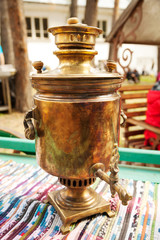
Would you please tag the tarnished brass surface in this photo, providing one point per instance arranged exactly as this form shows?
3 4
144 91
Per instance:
122 192
75 71
73 136
72 198
70 215
76 123
28 124
75 35
38 65
113 179
111 65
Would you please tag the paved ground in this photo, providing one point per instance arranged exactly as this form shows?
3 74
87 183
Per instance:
13 121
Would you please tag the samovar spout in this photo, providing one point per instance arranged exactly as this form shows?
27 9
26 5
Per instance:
124 196
113 180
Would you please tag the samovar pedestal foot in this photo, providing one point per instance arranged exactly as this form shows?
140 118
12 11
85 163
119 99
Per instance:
70 212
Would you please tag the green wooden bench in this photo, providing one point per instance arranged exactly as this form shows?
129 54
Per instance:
126 155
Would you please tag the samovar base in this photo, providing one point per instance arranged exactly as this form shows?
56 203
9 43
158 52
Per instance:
75 204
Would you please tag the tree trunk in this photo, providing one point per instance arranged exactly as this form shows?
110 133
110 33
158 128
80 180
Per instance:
73 8
115 12
114 18
158 70
91 13
6 38
18 30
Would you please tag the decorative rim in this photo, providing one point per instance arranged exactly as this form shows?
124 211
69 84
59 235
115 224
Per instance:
80 203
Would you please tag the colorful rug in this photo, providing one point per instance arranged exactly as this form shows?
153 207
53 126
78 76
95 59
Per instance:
23 215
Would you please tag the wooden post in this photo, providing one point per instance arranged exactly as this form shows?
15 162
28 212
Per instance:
114 18
73 8
6 38
8 95
115 12
91 13
18 31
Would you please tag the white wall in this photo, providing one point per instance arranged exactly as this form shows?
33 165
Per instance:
42 49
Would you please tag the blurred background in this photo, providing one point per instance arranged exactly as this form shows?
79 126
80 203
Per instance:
130 37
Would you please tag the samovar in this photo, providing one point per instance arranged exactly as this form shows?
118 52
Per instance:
76 117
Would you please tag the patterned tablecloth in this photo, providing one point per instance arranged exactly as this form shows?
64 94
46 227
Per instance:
23 215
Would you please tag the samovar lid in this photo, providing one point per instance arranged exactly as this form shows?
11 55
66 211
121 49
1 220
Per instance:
76 43
75 34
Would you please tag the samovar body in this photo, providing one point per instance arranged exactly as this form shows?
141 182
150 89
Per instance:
76 116
73 135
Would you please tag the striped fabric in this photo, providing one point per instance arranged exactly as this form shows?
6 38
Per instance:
23 215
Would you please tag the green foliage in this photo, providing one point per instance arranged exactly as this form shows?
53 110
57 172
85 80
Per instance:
147 79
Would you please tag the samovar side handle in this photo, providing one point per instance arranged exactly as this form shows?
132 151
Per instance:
28 124
124 117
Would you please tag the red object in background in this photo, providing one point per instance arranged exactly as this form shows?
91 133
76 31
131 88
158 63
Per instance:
158 77
152 114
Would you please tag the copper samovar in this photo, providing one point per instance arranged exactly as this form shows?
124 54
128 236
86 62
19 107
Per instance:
76 124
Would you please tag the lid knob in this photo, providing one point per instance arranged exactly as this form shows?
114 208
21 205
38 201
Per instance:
111 65
72 20
38 65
